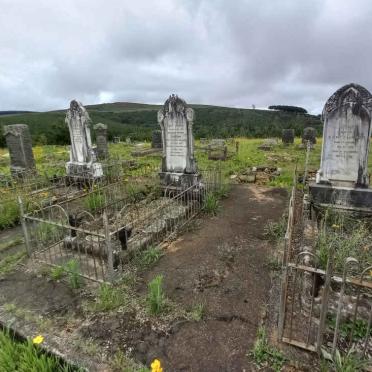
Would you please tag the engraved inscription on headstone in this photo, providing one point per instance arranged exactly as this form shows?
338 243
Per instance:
346 135
176 121
18 140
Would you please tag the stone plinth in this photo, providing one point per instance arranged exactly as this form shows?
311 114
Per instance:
343 197
101 140
18 141
156 142
288 136
178 162
309 134
82 162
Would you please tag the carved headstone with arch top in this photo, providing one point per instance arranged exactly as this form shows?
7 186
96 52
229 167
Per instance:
178 162
82 162
343 175
346 136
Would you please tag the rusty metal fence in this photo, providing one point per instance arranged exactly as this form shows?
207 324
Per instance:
321 308
102 230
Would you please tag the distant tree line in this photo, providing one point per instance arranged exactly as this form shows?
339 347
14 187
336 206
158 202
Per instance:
210 122
296 109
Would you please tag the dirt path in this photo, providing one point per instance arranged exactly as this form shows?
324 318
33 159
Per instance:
223 266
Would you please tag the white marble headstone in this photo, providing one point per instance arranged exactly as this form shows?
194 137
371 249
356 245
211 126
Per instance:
81 151
346 137
176 121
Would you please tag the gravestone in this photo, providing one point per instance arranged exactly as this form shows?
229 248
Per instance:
309 134
101 140
128 141
178 162
82 162
343 175
217 149
156 140
288 136
116 139
18 141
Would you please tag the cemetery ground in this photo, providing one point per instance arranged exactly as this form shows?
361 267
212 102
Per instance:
209 286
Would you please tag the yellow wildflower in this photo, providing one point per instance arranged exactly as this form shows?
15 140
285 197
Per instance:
336 226
38 339
156 366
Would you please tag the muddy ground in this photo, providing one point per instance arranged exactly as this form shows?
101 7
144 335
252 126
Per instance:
222 263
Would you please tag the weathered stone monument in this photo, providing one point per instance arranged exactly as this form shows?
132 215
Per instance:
288 136
309 134
101 140
178 162
343 175
18 141
156 142
82 162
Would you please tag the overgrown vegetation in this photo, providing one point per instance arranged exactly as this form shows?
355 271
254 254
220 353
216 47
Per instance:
72 269
348 237
340 362
266 355
148 257
211 204
156 297
26 357
94 201
121 363
275 231
109 298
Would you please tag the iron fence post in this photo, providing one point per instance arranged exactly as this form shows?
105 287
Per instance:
110 261
24 227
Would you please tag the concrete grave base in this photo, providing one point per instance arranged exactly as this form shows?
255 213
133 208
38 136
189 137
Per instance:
84 170
181 180
342 197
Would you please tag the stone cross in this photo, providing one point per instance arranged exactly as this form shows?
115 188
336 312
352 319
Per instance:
82 159
101 140
18 141
176 122
346 135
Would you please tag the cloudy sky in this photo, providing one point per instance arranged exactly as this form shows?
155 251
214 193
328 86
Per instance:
222 52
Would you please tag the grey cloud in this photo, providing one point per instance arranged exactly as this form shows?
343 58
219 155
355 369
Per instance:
234 53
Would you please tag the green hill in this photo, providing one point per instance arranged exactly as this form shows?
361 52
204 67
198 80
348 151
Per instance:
138 120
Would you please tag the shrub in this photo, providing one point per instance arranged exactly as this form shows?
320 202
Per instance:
149 256
156 298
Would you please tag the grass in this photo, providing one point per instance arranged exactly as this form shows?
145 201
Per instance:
9 262
9 214
109 298
121 363
349 239
274 231
72 269
26 357
211 204
94 201
266 355
4 246
148 257
340 362
155 296
197 313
